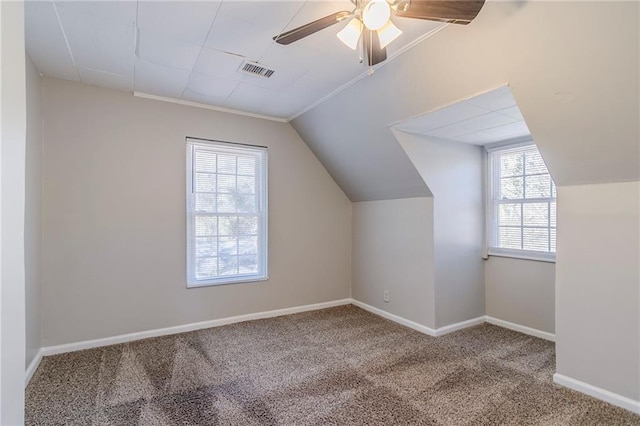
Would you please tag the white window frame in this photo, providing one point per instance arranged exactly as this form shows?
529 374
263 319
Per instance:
491 203
261 176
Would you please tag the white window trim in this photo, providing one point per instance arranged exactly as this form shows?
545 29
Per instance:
264 206
490 224
522 254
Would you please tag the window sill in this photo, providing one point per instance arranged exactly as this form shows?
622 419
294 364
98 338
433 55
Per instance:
191 285
524 255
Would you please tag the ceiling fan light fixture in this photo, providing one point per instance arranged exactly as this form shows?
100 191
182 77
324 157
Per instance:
350 34
370 23
376 14
388 33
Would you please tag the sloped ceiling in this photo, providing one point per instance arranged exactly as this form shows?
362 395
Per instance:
571 66
488 118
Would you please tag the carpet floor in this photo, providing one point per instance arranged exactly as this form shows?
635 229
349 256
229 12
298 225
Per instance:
340 366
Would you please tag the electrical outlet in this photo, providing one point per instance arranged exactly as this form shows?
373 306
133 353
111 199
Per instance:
385 296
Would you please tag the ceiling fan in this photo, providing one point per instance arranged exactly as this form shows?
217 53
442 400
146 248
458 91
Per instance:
371 19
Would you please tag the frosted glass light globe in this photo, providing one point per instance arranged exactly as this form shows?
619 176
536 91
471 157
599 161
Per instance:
376 14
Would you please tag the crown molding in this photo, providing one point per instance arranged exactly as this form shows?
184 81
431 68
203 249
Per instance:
340 89
210 107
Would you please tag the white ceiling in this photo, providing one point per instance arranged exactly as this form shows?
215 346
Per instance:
577 88
491 117
192 50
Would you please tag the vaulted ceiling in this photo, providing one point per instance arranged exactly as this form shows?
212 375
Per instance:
192 50
572 67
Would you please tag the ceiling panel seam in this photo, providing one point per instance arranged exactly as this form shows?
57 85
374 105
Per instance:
438 108
66 40
201 49
136 47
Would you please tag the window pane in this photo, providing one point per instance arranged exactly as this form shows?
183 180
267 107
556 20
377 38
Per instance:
205 161
553 240
205 182
536 239
227 246
538 186
206 268
509 214
246 185
246 166
228 225
226 184
246 203
248 225
522 176
511 164
225 206
226 203
206 203
536 214
509 238
248 264
206 226
228 265
206 247
511 188
247 245
534 163
227 164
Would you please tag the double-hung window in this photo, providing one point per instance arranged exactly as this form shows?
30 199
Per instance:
226 213
522 219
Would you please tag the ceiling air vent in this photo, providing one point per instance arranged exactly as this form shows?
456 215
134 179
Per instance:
256 69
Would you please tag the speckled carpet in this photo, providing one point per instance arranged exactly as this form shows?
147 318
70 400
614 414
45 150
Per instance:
336 366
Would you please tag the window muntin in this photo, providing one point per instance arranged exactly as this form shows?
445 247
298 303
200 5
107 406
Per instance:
226 213
523 203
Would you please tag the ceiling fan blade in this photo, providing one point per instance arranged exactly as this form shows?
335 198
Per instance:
453 11
371 41
310 28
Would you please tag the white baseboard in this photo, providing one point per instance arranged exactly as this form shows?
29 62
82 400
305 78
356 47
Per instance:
414 325
395 318
599 393
33 366
521 328
113 340
123 338
459 326
560 379
440 331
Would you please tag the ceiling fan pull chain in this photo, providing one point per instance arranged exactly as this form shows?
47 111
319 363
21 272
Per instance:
361 48
371 70
361 38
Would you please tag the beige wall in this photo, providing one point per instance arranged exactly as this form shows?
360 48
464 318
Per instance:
521 291
393 250
598 286
33 216
114 217
12 213
453 173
